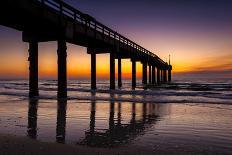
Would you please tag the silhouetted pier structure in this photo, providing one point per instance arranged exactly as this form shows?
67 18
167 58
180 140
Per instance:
54 20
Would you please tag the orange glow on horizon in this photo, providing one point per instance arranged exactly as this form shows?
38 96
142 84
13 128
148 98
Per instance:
187 55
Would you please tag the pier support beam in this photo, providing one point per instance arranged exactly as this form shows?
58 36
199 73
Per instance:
112 71
33 69
62 69
170 73
133 74
144 73
161 76
158 76
93 71
149 74
119 72
153 75
165 75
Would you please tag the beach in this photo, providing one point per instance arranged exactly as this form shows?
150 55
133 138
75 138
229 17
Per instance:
177 118
11 145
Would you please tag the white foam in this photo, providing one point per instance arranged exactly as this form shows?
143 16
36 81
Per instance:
162 94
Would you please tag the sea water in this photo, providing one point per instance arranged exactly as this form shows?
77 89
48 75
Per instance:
191 116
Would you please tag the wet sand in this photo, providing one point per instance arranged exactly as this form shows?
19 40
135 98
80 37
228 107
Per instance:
40 128
12 145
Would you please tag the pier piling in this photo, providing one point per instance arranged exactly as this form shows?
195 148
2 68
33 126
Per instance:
149 74
112 71
144 73
93 71
165 75
119 72
158 76
62 69
153 75
33 69
133 74
170 73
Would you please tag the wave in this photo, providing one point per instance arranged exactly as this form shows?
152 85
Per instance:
179 92
135 99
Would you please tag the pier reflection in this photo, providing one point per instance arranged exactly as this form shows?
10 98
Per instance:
119 133
61 120
116 130
32 118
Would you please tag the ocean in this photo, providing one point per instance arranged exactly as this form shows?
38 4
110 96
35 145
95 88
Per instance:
192 116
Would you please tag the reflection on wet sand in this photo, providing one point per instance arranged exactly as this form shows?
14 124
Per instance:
32 118
61 120
117 132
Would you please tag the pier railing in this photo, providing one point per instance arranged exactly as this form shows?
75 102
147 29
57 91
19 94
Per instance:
66 10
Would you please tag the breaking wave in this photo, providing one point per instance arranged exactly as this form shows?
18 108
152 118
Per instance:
177 92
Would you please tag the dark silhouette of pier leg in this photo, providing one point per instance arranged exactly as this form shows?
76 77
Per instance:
92 116
161 76
144 73
32 118
111 117
62 69
144 112
33 69
93 71
111 124
165 75
169 75
153 75
133 74
119 72
61 121
149 74
133 112
112 71
119 113
158 76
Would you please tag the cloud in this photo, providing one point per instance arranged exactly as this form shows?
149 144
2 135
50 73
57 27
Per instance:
217 63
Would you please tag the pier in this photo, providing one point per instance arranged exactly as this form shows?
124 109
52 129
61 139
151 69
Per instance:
54 20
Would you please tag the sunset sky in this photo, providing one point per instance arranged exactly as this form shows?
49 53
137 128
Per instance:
197 34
